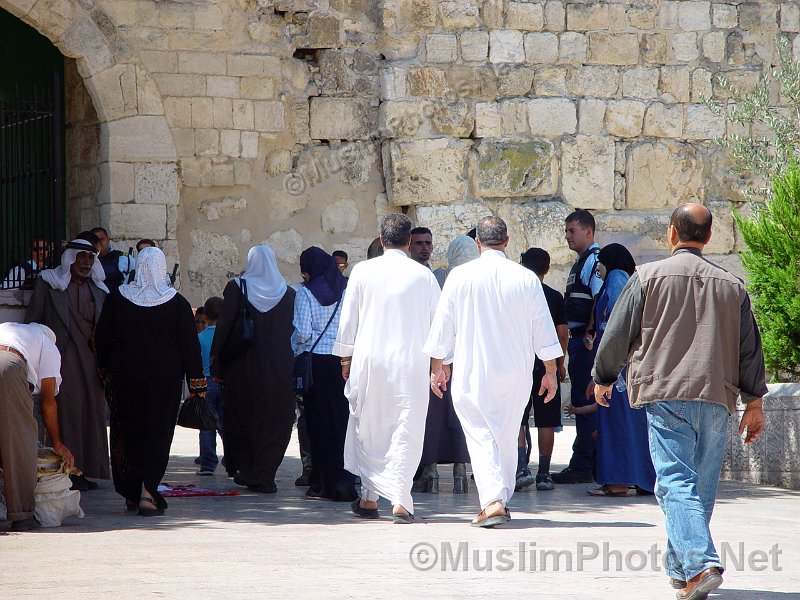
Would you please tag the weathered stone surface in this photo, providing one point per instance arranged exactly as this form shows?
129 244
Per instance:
644 234
613 48
552 117
514 117
515 80
525 16
723 238
340 217
441 48
138 139
624 118
643 15
684 46
402 118
572 47
446 222
539 224
452 118
591 116
790 17
702 124
725 16
714 46
541 48
426 81
342 119
506 46
469 82
156 184
694 16
665 121
555 15
426 171
219 208
509 168
661 175
550 81
600 82
640 82
474 46
653 48
487 120
459 14
587 166
702 88
287 244
212 258
270 115
673 84
135 221
587 17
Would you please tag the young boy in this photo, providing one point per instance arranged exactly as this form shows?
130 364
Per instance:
208 438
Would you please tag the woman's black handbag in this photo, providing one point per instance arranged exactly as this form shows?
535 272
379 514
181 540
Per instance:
243 332
302 379
197 413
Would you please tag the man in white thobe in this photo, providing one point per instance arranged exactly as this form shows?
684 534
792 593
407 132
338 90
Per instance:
491 319
385 319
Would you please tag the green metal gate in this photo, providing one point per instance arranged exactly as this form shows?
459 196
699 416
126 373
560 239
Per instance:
32 163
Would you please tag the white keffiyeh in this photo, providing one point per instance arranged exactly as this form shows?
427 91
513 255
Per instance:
60 277
151 286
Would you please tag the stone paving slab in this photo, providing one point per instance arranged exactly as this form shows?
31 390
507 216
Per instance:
285 545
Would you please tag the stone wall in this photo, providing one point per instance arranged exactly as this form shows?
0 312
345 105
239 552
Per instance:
225 123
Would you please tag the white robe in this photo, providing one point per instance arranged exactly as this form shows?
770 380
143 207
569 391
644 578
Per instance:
385 319
491 319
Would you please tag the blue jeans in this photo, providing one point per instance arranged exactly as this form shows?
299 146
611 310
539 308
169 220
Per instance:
580 372
208 437
687 443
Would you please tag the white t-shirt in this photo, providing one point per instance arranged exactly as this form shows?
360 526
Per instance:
37 344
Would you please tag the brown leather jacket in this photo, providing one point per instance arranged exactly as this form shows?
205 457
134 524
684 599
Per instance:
687 328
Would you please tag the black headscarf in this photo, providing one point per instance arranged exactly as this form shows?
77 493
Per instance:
326 280
616 256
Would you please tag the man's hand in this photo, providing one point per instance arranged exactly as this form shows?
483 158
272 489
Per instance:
602 394
64 453
589 390
346 372
752 421
439 382
549 385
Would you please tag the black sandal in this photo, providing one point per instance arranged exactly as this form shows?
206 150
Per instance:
149 512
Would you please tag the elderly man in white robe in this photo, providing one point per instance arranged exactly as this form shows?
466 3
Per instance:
491 320
385 320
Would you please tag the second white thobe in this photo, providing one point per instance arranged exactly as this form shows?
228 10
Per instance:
385 320
491 320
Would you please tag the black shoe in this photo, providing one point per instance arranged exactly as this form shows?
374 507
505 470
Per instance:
80 483
239 480
544 482
363 513
570 475
402 518
197 460
263 488
302 481
29 524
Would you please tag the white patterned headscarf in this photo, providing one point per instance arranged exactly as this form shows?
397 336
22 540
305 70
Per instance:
151 286
461 250
265 284
60 277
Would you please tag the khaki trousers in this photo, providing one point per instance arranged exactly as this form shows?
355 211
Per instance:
18 437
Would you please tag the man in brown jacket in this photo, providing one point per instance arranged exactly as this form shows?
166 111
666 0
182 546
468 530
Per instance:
687 328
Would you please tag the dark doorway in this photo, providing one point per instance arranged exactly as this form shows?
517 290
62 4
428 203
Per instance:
32 159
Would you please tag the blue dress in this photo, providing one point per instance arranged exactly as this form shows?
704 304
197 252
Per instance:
623 454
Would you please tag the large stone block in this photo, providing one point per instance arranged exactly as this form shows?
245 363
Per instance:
593 81
551 117
506 46
644 233
447 222
572 48
591 115
342 119
117 88
156 184
725 16
402 118
474 46
702 124
525 16
674 85
550 81
653 47
431 171
587 166
427 81
137 139
213 259
470 82
287 244
441 48
541 48
555 15
662 175
340 217
514 80
537 224
514 117
487 120
613 48
269 115
512 169
664 121
624 118
640 82
459 14
694 16
587 17
684 47
723 235
135 221
714 46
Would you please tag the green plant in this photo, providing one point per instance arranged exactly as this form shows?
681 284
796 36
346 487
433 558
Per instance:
772 262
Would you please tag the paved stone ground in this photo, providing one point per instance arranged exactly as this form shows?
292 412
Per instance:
287 546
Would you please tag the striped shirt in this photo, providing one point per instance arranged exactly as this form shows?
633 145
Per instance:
310 318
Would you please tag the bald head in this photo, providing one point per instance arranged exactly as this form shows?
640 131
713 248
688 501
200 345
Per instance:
692 222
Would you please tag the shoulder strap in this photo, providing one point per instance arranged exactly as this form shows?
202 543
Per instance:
333 314
243 289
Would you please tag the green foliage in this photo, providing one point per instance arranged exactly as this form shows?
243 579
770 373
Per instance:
772 261
766 157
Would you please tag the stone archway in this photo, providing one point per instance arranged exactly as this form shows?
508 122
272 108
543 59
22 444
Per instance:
139 186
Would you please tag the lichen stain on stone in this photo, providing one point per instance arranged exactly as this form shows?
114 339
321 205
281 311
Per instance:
522 166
